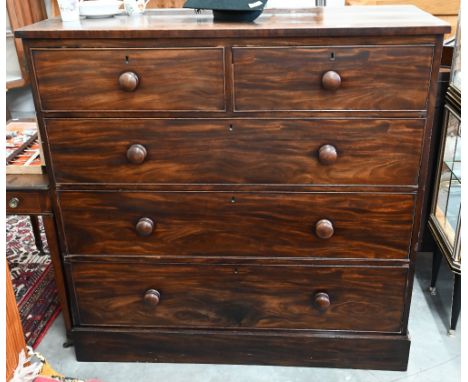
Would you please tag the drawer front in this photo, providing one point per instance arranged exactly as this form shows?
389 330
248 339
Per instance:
335 225
99 80
27 202
283 297
332 78
363 151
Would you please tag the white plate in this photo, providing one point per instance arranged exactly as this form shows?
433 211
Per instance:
100 8
102 16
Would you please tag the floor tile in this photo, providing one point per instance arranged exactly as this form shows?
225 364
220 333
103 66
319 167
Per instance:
446 372
428 324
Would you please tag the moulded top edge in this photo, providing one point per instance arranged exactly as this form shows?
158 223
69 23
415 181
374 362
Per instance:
312 22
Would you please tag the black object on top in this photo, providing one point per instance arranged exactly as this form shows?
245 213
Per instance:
230 10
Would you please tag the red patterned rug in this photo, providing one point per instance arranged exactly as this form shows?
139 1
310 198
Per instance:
33 279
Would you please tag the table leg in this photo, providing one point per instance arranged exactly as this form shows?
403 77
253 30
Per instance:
51 233
37 233
456 303
436 260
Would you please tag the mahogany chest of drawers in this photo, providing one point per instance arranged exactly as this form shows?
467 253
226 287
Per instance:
239 193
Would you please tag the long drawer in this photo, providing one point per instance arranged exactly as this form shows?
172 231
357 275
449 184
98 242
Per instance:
221 296
130 79
331 225
332 78
355 151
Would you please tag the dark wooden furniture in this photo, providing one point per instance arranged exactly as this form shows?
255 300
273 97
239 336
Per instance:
240 193
26 124
30 195
447 236
445 214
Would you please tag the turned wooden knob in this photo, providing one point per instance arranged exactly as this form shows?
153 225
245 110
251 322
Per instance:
136 154
327 154
152 297
331 80
322 301
324 229
129 81
145 227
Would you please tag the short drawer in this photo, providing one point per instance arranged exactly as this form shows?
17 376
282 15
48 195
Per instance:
333 225
27 202
130 79
332 78
221 296
181 151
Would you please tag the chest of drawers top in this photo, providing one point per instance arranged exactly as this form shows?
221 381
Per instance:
312 22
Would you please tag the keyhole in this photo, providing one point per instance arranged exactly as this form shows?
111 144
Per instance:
236 271
233 200
126 60
231 127
332 56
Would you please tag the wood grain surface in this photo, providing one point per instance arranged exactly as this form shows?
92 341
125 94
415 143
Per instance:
265 297
435 7
181 151
50 228
446 10
329 349
28 203
165 4
169 79
371 78
27 182
205 154
15 342
315 22
238 224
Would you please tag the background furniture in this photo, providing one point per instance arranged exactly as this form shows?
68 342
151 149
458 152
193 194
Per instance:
446 10
445 217
19 14
166 3
29 195
442 85
151 4
18 126
14 331
247 217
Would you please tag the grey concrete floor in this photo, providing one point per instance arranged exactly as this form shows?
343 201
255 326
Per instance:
434 356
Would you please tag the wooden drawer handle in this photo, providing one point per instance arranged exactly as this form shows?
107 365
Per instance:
324 229
327 154
129 81
136 154
331 80
145 227
152 297
322 301
14 202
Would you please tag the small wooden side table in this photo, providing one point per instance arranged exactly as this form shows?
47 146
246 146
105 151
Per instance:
29 195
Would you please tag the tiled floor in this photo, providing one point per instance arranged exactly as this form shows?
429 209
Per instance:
434 357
